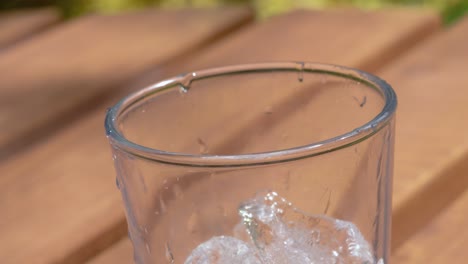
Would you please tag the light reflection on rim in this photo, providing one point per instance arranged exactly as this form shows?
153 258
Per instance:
202 160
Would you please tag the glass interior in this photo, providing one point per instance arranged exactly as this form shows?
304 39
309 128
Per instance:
244 113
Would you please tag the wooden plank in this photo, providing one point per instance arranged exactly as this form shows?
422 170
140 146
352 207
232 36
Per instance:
442 241
251 41
431 161
18 25
307 40
146 31
52 78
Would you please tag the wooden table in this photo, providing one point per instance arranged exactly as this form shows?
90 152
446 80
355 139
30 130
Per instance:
58 198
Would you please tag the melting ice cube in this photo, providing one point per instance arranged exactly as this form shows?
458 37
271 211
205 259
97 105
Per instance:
284 234
272 231
223 250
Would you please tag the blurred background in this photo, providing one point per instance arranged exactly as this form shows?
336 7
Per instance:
450 10
59 203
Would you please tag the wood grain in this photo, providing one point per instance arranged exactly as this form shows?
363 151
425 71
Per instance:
19 25
101 52
252 42
442 241
319 37
431 161
60 74
121 252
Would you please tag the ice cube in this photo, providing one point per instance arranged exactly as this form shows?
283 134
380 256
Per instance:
284 234
223 250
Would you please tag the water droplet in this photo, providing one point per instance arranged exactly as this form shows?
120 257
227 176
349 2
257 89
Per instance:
363 102
327 205
114 157
148 249
186 82
300 75
286 180
203 148
162 204
178 193
117 183
192 223
183 89
169 255
143 183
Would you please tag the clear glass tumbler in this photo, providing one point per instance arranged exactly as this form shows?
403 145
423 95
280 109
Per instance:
286 162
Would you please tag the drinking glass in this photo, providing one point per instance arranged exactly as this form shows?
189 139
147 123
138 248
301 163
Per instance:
283 162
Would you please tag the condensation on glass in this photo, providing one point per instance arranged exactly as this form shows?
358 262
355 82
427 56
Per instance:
257 163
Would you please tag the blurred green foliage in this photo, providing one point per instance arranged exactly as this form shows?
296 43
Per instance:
451 10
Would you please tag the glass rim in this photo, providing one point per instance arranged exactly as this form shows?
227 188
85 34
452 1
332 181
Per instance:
347 139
